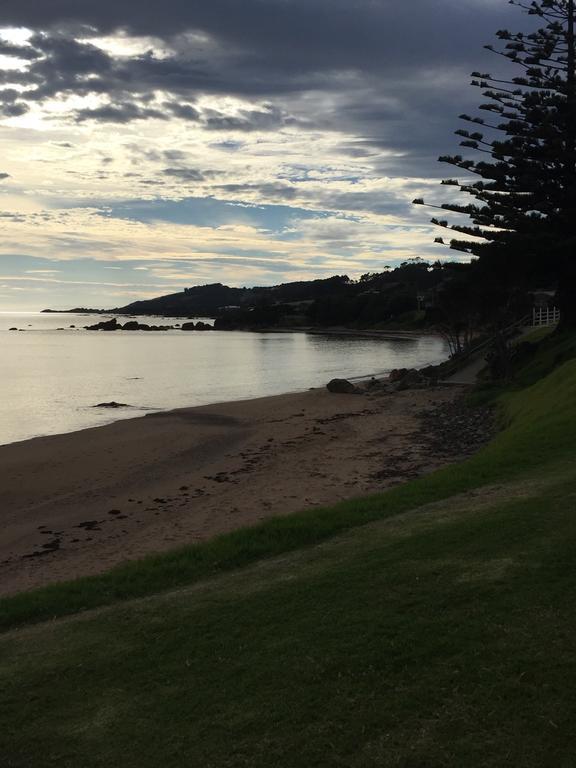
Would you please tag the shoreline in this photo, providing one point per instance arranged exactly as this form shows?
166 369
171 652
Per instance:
79 503
74 412
154 411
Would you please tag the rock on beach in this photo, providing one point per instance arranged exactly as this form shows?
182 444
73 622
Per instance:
342 387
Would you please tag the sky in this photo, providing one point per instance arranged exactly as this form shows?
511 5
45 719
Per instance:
149 146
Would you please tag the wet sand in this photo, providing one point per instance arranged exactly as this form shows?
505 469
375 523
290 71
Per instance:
80 503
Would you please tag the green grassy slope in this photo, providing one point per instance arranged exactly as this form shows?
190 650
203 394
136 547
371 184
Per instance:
435 636
541 428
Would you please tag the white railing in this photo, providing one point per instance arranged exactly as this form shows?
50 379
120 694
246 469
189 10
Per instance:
545 316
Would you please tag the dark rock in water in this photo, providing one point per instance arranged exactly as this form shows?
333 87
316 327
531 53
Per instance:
199 326
111 404
71 326
104 325
342 387
13 329
131 325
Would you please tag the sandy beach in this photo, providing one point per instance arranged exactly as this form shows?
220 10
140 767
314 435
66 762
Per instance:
80 503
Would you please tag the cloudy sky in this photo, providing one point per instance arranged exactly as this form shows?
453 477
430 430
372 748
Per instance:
148 146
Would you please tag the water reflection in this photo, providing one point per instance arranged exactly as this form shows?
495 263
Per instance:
50 379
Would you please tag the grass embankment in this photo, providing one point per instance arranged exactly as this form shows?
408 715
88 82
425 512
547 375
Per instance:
540 423
438 635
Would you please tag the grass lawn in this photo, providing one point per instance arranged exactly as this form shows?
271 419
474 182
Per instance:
429 627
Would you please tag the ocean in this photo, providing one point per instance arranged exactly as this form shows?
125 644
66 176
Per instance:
52 379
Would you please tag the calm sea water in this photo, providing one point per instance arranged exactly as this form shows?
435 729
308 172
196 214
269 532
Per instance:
50 378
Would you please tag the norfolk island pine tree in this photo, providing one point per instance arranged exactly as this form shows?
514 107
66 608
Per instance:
524 202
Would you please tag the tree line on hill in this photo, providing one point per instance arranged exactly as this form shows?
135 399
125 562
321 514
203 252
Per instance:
455 298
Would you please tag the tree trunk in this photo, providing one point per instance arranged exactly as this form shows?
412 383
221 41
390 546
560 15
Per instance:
566 295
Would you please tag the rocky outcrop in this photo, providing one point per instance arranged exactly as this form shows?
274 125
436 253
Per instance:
104 325
131 325
401 379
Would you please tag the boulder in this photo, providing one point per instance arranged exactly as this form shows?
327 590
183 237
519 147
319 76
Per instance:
200 326
397 374
431 373
342 387
188 327
132 325
13 329
412 379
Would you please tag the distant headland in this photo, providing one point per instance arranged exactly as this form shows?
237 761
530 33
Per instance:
404 295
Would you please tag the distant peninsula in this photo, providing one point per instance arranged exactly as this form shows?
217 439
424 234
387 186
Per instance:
398 295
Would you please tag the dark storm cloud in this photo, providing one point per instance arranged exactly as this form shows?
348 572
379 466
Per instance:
17 51
183 111
64 66
395 73
270 46
269 118
15 109
321 33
